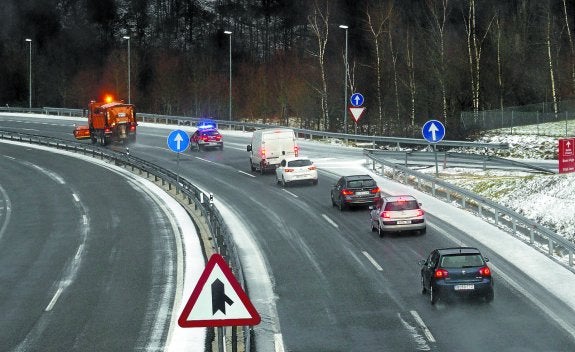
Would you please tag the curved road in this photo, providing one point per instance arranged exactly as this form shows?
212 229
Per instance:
87 258
338 287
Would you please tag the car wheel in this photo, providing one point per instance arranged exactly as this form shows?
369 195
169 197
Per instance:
489 297
373 228
199 146
423 231
314 182
423 289
432 296
380 230
262 169
332 201
283 182
252 166
341 204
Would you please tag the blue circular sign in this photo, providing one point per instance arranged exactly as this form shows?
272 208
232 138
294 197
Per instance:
356 99
433 131
178 141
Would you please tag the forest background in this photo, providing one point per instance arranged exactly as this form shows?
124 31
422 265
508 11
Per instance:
413 60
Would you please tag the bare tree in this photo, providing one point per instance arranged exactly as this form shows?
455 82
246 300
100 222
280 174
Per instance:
377 17
393 55
319 23
550 58
410 62
474 49
439 15
571 46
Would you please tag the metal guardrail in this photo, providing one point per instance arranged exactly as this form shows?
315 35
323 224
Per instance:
189 195
538 236
238 125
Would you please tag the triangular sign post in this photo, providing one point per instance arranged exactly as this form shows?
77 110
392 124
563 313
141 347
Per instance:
356 112
218 299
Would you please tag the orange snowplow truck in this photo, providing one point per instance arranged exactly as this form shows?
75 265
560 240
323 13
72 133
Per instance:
111 122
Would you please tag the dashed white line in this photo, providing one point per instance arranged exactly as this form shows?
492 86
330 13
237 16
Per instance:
370 258
75 197
288 192
278 343
245 173
331 222
419 321
54 299
206 160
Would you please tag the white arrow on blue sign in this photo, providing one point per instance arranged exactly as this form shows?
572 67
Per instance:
178 141
433 131
356 99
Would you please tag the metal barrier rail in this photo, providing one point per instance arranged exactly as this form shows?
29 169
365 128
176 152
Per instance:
222 240
526 229
237 125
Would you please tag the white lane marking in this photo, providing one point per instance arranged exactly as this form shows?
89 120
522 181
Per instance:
419 340
288 192
49 173
75 197
84 220
423 326
370 258
278 343
332 223
206 160
245 173
54 299
8 211
10 157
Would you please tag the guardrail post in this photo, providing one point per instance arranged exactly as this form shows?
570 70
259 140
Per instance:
570 257
433 189
463 203
448 196
532 235
480 208
514 226
496 217
550 246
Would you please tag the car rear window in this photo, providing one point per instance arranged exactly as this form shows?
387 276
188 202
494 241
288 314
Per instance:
461 261
299 163
360 183
402 205
211 133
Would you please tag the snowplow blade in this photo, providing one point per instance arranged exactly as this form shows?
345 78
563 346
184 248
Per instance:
82 132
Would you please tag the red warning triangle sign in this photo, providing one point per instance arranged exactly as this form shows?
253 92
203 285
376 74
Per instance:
356 112
218 299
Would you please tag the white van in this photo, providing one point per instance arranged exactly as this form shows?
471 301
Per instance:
270 146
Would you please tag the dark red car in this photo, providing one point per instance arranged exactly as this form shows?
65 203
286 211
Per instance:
203 138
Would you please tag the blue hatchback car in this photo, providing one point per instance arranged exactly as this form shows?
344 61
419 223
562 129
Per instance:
456 271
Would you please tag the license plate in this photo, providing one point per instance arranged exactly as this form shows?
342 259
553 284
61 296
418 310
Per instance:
403 222
362 193
464 287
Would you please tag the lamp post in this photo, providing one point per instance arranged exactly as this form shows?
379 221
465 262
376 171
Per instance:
229 33
345 82
30 74
129 69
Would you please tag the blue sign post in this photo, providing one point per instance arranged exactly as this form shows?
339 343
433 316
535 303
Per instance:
356 99
178 141
433 131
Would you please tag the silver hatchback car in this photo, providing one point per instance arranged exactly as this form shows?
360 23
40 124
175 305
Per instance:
397 214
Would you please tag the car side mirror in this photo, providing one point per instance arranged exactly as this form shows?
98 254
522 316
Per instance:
249 148
419 204
422 262
486 259
371 207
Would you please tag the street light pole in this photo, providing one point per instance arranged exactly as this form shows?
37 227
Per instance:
129 71
229 33
345 82
30 73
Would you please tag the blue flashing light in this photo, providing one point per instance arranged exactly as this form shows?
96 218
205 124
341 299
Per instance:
206 124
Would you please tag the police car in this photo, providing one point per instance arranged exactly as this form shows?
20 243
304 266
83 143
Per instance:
206 135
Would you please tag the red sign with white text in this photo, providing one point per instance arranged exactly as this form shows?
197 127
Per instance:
566 155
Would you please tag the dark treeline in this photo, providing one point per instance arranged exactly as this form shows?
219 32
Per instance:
413 60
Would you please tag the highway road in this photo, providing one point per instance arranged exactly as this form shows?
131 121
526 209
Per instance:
337 286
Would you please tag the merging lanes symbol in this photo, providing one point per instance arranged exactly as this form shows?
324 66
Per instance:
218 299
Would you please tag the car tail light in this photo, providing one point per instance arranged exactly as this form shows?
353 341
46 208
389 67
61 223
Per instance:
312 168
346 192
375 190
420 212
485 271
440 274
385 215
108 130
288 170
205 138
296 150
218 137
262 152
